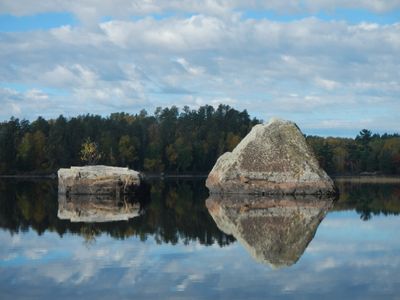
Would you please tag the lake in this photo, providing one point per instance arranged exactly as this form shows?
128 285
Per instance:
173 241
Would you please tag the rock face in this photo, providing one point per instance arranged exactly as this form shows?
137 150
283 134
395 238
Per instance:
97 180
95 208
274 231
273 158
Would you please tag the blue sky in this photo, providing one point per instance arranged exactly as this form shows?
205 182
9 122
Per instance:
41 21
332 66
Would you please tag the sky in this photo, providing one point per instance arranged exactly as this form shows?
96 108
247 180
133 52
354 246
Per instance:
332 66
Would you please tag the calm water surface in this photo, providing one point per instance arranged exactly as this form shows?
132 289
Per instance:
174 242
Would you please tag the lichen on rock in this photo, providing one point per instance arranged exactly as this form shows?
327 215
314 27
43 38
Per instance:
273 158
97 180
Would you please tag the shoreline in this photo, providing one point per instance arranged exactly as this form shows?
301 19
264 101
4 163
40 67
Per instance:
367 179
145 176
26 176
340 178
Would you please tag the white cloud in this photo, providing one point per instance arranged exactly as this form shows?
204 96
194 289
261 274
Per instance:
306 70
36 94
326 83
93 10
192 70
65 76
22 104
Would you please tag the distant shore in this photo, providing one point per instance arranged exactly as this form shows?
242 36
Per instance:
144 174
368 179
338 178
28 176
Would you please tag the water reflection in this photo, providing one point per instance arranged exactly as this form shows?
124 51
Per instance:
96 208
274 231
169 211
166 252
369 199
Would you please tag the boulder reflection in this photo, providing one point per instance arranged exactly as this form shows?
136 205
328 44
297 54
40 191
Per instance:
174 210
96 208
274 231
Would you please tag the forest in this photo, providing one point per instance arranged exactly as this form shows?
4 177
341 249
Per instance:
171 141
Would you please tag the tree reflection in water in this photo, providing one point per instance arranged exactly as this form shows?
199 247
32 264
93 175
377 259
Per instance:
170 211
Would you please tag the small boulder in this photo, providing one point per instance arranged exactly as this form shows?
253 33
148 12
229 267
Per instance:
273 158
97 180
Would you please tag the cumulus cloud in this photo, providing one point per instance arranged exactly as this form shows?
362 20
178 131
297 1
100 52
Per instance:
15 103
88 9
308 70
192 70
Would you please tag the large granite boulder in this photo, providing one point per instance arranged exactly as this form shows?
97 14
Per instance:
275 231
98 180
273 158
96 208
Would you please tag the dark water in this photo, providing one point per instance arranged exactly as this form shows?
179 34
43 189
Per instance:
171 242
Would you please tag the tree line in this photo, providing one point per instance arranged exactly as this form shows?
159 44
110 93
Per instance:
367 153
170 140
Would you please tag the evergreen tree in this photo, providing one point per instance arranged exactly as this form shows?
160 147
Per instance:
171 140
